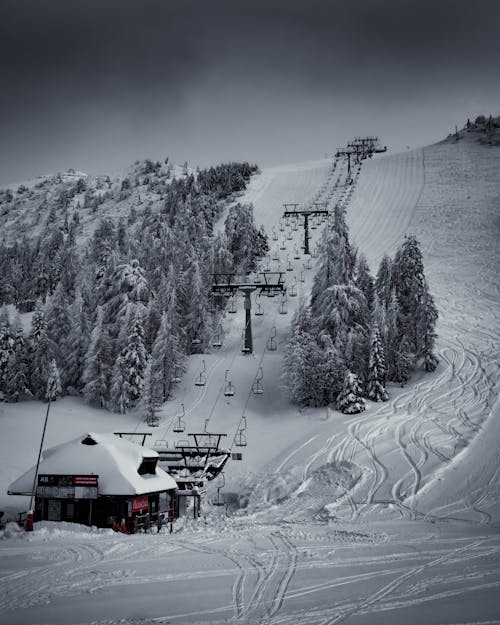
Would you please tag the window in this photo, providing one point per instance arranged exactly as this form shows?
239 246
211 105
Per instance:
148 466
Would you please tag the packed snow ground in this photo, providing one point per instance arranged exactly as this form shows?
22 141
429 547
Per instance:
386 517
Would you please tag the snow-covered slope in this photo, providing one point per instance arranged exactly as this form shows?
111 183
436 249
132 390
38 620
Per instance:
390 516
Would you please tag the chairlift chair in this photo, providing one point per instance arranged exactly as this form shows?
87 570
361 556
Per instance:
180 424
307 264
283 245
289 235
302 277
271 341
259 311
282 226
292 291
201 380
276 255
240 440
219 501
275 234
229 388
258 388
288 264
296 254
283 309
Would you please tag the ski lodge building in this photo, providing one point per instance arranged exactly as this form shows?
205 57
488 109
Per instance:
97 479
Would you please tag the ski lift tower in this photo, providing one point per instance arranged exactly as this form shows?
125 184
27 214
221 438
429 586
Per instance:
291 210
266 282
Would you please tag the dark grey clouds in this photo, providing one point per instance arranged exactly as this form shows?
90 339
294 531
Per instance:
96 84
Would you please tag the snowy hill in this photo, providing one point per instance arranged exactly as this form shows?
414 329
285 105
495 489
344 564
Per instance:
389 516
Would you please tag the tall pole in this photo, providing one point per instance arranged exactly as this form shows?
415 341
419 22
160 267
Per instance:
248 320
33 488
306 234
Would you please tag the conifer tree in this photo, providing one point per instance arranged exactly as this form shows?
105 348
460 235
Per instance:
376 368
150 402
301 361
363 280
426 321
402 361
53 382
350 400
166 356
383 281
58 332
18 383
39 351
97 368
7 352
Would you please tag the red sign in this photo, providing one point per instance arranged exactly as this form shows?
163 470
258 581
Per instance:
140 503
85 480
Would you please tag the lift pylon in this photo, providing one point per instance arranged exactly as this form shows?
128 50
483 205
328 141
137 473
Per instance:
306 214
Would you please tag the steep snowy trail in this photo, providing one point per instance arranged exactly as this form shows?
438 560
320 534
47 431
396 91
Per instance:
385 517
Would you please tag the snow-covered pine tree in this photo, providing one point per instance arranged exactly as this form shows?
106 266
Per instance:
301 362
97 366
53 382
409 280
6 353
426 322
383 281
129 370
58 332
166 356
331 369
18 383
402 362
150 402
77 343
39 352
363 279
350 400
376 368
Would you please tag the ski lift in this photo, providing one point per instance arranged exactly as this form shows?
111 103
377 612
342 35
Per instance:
276 255
288 263
307 264
302 277
282 226
258 388
229 388
217 342
292 292
275 234
232 305
289 235
240 440
296 254
259 311
283 309
313 224
221 482
271 341
201 380
180 424
283 245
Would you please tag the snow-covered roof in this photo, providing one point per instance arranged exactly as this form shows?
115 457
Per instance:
115 460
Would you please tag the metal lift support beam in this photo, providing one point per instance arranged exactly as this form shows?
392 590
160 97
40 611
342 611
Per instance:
226 284
306 214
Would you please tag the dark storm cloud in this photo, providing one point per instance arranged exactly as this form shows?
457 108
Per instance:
96 84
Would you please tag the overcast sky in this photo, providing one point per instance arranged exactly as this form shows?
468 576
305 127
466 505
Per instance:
96 84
